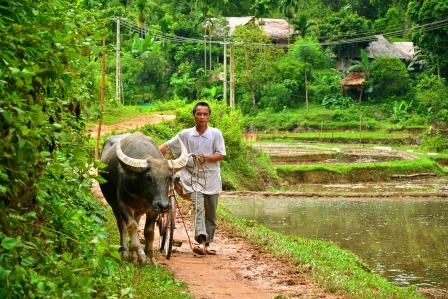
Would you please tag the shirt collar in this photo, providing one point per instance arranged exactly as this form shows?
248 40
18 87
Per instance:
207 134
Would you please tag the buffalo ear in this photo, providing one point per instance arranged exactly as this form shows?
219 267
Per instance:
148 170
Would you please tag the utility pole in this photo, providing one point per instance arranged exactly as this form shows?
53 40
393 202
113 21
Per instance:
224 91
102 84
118 65
210 46
205 48
232 76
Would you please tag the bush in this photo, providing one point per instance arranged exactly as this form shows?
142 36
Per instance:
436 142
388 77
276 96
336 101
51 236
432 93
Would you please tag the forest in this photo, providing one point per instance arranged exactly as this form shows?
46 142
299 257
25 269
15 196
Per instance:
289 79
52 237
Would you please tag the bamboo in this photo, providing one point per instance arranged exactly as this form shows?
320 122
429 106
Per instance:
102 84
232 76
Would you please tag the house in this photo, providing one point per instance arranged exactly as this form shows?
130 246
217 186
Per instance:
380 46
353 84
278 30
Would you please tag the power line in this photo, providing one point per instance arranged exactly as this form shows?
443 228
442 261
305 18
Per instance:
439 24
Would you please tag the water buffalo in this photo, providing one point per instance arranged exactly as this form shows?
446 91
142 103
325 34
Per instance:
137 178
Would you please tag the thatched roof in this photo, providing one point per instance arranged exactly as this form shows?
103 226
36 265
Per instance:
407 47
382 47
237 21
276 29
353 79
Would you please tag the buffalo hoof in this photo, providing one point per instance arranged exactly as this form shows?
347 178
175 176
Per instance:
124 254
150 261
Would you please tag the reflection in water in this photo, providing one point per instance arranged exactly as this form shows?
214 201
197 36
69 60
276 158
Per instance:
404 240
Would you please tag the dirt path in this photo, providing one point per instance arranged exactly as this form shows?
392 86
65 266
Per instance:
132 123
239 270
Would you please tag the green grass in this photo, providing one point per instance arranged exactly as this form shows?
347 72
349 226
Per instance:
146 281
382 137
370 116
337 270
397 166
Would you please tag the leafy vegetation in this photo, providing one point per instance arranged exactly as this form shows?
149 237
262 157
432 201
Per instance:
52 242
166 56
52 239
338 270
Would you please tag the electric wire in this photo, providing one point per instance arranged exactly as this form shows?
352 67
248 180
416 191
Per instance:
435 25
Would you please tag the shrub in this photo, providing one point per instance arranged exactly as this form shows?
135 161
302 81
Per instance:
388 77
432 93
276 96
436 142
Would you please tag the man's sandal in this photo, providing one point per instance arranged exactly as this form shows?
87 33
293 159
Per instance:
210 251
199 250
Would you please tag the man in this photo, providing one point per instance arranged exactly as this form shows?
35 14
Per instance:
202 176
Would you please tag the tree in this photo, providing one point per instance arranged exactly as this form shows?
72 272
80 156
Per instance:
260 8
388 77
308 51
302 25
288 8
344 24
254 64
432 93
431 41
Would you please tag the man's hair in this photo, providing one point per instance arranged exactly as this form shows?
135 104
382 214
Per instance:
205 104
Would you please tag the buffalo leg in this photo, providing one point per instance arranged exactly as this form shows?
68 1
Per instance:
149 235
121 223
135 244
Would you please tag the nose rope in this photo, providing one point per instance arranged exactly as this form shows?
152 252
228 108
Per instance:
197 168
172 196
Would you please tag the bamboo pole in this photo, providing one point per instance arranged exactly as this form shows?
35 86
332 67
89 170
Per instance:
118 87
102 84
224 91
232 76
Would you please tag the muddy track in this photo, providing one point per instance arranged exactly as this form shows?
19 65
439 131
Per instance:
239 270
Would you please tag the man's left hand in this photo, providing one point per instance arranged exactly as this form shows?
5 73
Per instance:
201 158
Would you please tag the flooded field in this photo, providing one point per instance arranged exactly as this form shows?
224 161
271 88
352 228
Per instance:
419 185
405 240
306 153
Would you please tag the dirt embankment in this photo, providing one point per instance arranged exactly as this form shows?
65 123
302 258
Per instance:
133 123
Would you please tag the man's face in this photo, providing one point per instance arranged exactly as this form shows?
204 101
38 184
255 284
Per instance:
201 115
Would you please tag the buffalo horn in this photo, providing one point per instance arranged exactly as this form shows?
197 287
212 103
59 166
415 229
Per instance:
138 165
182 160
